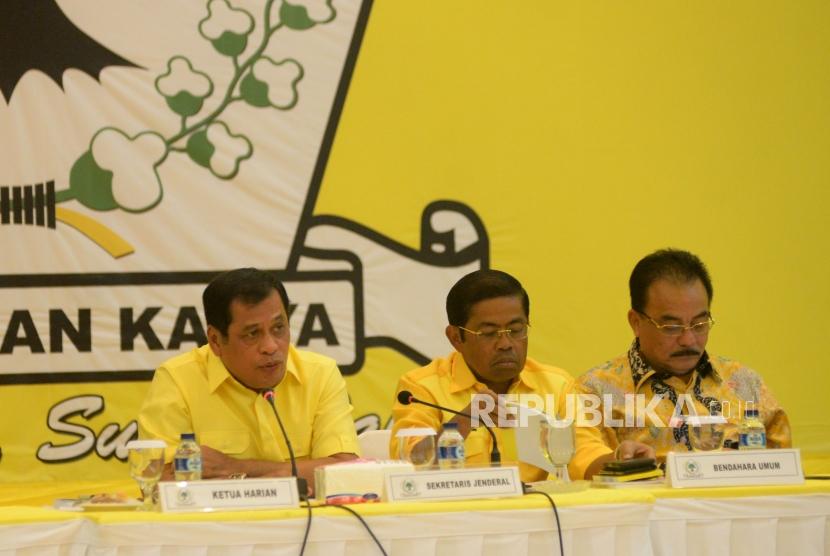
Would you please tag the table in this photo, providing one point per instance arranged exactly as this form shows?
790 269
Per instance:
657 521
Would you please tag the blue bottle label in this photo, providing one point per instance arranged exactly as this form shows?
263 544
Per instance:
451 452
188 463
754 439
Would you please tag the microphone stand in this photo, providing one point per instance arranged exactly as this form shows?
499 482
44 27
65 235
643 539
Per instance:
302 484
407 398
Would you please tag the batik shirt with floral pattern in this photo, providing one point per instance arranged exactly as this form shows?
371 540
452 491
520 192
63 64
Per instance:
716 385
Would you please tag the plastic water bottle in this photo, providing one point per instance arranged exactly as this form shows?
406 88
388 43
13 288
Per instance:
187 463
450 447
753 435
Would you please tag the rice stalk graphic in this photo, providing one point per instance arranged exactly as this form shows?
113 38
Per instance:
34 205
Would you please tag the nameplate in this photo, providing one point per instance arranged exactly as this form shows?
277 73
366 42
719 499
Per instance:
734 468
214 496
454 484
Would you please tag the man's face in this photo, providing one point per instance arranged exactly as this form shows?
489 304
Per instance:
669 302
256 346
498 360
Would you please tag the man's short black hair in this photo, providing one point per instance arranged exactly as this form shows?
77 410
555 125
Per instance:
669 264
249 285
478 286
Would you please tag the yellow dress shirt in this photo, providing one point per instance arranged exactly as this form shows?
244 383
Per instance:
729 382
194 392
449 382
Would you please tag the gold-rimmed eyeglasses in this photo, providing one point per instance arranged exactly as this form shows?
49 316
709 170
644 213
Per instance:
513 332
698 328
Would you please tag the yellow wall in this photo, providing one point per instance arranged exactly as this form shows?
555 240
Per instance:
587 134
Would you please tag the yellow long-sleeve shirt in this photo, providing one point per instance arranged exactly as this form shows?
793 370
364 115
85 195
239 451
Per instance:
449 382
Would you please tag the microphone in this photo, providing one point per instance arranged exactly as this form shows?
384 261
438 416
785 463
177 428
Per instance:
302 485
405 397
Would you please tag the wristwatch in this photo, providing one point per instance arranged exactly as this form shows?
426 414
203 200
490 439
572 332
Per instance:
237 476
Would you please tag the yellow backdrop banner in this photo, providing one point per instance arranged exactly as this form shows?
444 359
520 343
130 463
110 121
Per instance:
372 153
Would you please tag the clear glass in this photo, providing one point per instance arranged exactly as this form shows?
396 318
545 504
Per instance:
558 446
417 446
706 432
706 437
146 465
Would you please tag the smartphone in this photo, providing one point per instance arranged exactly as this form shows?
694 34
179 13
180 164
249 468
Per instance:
630 465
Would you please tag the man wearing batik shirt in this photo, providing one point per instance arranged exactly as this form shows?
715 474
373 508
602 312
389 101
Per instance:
671 294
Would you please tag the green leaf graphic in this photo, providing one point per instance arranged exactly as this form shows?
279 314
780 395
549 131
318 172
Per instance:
184 104
230 44
90 184
254 91
295 17
199 149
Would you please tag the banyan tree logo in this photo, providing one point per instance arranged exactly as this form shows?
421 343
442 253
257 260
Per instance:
409 487
692 469
194 139
120 170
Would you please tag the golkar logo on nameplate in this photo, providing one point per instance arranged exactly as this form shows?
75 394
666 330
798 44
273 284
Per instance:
455 484
248 494
734 468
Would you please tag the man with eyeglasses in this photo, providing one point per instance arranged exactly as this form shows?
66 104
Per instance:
488 313
671 296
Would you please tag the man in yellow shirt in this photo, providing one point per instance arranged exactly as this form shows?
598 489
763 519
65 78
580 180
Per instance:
216 391
671 295
488 313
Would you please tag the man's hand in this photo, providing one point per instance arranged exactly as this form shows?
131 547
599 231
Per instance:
627 449
216 465
630 449
465 425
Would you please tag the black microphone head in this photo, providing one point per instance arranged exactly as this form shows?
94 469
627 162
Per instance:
405 397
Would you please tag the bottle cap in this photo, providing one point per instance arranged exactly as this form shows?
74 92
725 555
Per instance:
188 436
144 444
750 413
415 431
449 425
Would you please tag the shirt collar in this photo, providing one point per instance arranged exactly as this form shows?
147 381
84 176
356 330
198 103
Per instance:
291 367
461 377
216 371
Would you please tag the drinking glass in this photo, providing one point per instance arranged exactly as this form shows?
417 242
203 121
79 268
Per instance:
146 459
417 445
706 432
558 445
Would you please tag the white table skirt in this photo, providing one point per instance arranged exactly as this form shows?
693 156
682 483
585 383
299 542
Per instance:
602 529
743 526
67 538
747 526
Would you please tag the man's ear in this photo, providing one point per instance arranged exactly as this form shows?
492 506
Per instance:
634 322
215 339
454 336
